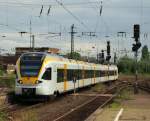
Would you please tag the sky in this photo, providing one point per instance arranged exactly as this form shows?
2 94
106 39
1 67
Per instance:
117 16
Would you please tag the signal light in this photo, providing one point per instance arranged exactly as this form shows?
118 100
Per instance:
108 57
136 46
136 31
108 47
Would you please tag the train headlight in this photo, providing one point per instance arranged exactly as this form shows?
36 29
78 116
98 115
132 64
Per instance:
20 81
38 82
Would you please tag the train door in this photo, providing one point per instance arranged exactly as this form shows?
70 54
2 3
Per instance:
48 78
54 77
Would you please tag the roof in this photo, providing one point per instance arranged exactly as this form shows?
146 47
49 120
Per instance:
62 59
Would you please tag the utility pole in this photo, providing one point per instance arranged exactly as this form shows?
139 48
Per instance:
30 32
115 58
120 34
72 40
33 43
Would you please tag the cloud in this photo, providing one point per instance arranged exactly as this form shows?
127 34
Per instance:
117 15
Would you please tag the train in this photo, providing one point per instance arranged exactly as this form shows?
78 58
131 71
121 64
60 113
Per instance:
44 74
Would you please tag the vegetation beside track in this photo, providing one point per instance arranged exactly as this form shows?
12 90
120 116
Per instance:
126 64
29 115
1 71
128 77
7 81
98 87
3 116
125 94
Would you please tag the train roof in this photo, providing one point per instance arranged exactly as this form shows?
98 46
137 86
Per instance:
54 57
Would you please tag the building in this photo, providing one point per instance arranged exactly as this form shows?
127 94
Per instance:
20 50
8 61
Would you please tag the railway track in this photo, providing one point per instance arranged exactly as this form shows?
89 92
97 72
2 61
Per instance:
81 112
86 109
89 106
144 88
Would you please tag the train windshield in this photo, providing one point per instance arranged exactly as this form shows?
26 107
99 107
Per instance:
30 64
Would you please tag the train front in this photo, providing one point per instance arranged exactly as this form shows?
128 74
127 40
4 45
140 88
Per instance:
30 71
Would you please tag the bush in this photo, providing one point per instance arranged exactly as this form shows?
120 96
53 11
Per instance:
1 71
7 82
3 116
127 65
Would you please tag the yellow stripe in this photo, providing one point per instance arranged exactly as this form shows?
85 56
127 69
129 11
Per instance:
41 68
65 77
18 69
29 80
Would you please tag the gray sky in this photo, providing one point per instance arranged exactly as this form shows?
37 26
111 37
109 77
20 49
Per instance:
117 15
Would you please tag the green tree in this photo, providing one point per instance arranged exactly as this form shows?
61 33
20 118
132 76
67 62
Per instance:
75 56
126 65
145 53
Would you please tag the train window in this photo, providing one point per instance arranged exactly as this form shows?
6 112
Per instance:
103 73
89 74
60 75
83 74
69 74
47 74
79 74
97 73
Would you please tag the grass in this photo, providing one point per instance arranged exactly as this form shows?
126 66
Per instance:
132 76
9 81
3 116
98 87
29 115
125 94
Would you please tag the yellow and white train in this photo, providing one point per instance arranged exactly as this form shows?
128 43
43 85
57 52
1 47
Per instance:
45 74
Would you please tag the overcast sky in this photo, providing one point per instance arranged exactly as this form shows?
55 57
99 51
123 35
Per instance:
117 15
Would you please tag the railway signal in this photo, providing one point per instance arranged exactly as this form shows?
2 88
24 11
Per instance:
137 45
108 57
136 31
101 57
135 48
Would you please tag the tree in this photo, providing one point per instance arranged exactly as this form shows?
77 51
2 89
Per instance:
75 56
126 65
145 53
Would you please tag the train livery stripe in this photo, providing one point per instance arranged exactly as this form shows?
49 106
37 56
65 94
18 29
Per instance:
65 77
29 80
43 64
18 68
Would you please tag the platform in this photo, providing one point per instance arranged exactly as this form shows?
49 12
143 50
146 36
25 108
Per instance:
135 109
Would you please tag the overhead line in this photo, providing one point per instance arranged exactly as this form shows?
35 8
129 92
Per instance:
75 17
69 4
46 4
